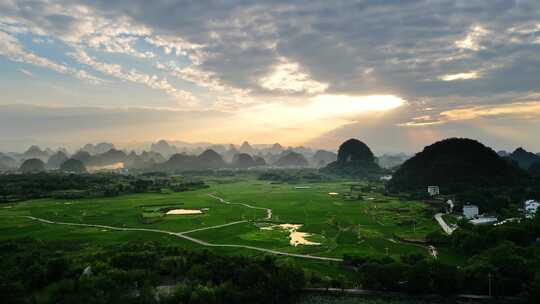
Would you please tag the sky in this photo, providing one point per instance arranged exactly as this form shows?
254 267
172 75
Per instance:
397 75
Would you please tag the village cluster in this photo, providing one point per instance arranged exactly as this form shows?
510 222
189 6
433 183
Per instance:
472 213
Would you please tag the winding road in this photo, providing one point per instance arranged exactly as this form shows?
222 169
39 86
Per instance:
197 241
439 218
268 215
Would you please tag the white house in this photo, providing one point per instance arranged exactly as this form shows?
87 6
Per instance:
531 206
433 190
470 211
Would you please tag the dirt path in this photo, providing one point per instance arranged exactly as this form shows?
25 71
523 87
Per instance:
268 210
214 227
431 249
268 215
194 240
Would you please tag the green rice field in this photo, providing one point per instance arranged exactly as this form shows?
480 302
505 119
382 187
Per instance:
371 224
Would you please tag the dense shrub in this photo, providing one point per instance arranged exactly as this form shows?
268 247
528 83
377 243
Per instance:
130 273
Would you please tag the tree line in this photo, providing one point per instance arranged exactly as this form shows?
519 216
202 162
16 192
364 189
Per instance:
16 187
507 257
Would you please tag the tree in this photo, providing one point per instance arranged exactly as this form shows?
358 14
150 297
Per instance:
73 166
291 159
32 165
354 150
56 160
243 160
456 165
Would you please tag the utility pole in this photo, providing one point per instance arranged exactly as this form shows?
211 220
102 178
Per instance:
489 283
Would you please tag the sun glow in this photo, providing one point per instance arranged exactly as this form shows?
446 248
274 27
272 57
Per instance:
293 122
346 104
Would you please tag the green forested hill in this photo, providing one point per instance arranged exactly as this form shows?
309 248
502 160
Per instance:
455 164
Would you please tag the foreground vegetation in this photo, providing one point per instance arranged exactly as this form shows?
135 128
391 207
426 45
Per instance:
43 272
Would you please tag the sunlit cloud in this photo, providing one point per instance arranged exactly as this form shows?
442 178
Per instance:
517 110
460 76
415 123
320 114
473 39
525 110
526 29
287 77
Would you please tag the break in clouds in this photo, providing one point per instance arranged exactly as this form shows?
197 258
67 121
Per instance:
305 72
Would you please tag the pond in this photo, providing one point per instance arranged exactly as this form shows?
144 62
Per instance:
295 237
184 211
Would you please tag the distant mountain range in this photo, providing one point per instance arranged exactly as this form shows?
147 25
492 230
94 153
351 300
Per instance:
389 161
166 156
203 156
524 158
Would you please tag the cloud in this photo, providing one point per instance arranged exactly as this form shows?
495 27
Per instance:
26 72
115 70
336 42
460 76
12 49
75 24
345 104
319 114
522 110
123 45
239 55
386 133
195 75
515 111
286 76
79 125
328 46
229 99
473 39
178 46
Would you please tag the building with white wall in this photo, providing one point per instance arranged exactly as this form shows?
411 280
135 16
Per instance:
450 204
433 190
470 211
530 208
484 220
